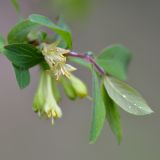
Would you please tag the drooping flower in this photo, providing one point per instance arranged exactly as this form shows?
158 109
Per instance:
56 59
44 100
39 98
51 108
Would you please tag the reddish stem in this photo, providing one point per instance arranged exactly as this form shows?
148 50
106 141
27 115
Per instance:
89 59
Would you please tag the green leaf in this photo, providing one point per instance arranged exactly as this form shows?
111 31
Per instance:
44 65
99 113
22 76
2 42
112 115
23 55
115 60
19 32
44 21
16 5
126 97
62 24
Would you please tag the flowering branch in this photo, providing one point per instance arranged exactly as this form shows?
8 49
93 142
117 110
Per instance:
27 47
82 56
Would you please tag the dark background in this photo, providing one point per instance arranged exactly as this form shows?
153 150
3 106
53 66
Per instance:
23 136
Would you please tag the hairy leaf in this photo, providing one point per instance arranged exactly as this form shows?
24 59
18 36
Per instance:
126 97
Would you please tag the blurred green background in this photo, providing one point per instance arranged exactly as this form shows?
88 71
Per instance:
23 136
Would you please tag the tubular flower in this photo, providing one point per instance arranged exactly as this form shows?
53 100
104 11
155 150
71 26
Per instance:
39 98
44 101
51 108
56 59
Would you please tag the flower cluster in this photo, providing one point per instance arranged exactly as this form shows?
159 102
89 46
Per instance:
56 59
46 97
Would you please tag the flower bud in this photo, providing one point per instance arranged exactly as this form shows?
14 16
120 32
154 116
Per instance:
79 87
68 88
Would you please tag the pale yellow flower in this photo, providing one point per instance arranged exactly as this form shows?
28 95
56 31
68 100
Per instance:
51 108
44 101
61 69
56 59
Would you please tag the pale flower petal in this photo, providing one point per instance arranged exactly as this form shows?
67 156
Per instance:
56 59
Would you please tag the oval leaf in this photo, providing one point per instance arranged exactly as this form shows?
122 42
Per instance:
114 60
23 55
126 97
112 115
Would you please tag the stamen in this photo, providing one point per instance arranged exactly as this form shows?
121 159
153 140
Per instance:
52 121
39 114
54 113
56 59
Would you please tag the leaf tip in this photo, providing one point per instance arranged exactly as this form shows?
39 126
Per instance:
150 111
